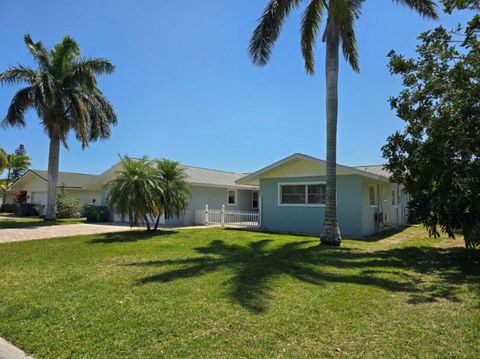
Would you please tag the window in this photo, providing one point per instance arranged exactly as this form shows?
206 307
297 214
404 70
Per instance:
373 195
302 194
394 198
232 197
255 200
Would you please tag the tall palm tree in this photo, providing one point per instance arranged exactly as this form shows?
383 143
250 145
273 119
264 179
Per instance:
175 192
134 192
339 31
63 91
12 161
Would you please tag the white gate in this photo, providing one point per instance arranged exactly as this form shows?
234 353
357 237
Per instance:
226 217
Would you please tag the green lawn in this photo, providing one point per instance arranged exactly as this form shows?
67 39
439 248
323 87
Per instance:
29 222
219 293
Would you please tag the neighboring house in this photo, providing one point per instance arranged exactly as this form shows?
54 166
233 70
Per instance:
292 197
34 182
208 187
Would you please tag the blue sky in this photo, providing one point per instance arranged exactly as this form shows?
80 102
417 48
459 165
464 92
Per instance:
185 88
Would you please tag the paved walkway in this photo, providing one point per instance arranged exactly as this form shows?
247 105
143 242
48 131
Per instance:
8 351
61 230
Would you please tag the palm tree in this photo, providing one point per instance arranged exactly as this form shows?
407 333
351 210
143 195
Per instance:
135 190
3 159
173 201
339 30
12 162
63 91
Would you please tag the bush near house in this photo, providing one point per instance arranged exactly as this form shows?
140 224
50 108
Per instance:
67 207
8 208
96 213
26 210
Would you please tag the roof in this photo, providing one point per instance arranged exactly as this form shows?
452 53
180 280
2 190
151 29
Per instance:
254 177
196 176
375 169
68 179
209 177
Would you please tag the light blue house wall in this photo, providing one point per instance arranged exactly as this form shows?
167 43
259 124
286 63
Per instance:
307 218
356 217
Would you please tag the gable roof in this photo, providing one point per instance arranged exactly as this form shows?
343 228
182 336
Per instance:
196 176
68 179
341 169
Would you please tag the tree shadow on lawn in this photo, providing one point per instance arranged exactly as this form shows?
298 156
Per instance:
256 264
130 236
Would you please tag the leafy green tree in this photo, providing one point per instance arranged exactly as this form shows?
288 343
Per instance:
3 159
135 190
173 201
63 91
67 207
12 162
18 172
340 17
437 155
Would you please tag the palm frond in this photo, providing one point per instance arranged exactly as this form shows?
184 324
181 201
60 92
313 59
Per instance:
64 55
426 8
342 15
21 102
39 52
268 29
311 20
18 74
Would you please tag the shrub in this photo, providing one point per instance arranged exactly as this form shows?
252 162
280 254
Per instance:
26 210
96 213
8 208
67 207
472 240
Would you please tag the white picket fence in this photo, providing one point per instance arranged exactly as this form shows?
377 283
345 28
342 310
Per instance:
227 217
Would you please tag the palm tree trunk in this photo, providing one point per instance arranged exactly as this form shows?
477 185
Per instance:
53 161
4 201
147 222
156 223
330 232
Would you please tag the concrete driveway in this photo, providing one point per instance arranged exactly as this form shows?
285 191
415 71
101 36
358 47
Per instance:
53 231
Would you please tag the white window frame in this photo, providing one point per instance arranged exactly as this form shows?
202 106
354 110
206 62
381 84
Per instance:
258 199
394 195
375 193
306 204
235 198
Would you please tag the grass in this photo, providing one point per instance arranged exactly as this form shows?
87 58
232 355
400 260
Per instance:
219 293
31 222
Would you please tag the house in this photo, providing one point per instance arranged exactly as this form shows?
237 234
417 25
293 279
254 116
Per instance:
292 197
207 186
34 183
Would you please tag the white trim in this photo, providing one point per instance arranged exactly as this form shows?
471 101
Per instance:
306 204
236 196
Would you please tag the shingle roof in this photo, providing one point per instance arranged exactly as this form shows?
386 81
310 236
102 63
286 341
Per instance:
199 175
375 169
68 179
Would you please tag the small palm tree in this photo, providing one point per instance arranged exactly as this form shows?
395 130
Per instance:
339 30
135 190
63 91
11 162
173 201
